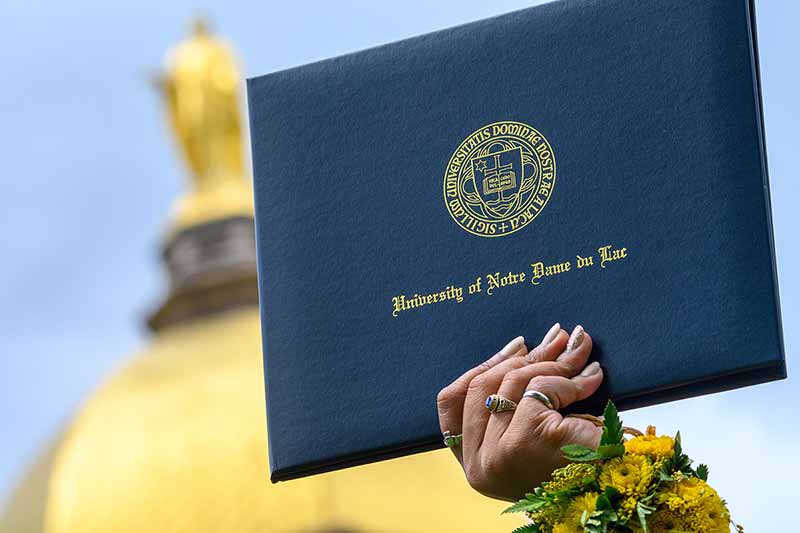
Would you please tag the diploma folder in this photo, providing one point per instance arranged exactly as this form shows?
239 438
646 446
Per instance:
421 203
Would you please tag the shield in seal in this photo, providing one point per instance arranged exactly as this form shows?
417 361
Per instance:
498 177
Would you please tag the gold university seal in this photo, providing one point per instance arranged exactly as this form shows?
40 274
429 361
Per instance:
499 179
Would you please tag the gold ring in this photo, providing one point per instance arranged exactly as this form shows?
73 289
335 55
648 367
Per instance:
496 404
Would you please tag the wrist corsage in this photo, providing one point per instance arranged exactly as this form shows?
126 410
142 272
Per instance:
642 485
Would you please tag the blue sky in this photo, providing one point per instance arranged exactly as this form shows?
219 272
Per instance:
88 174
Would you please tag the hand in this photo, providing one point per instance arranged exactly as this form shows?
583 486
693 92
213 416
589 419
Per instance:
506 454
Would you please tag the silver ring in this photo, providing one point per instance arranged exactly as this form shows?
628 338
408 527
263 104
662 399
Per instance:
451 441
497 404
542 397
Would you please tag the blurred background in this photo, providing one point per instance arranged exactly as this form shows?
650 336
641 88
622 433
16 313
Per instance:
131 395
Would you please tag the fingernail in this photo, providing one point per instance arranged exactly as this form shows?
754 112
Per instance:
512 347
591 370
551 335
576 338
533 355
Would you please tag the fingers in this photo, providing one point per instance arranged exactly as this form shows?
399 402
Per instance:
568 364
450 401
541 352
476 416
533 415
502 452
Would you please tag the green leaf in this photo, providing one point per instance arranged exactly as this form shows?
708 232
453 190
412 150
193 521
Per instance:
649 497
612 426
679 462
576 449
599 521
643 510
594 456
613 495
529 528
589 483
702 472
607 502
595 528
519 507
579 454
603 503
527 505
608 451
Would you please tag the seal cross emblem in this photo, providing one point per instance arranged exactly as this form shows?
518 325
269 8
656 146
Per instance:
499 179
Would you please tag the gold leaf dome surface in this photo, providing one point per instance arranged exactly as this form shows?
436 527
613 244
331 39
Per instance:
176 442
23 511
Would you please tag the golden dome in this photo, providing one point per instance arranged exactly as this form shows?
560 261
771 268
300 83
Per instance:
24 510
176 442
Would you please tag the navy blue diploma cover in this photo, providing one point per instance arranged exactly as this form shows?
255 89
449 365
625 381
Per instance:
421 203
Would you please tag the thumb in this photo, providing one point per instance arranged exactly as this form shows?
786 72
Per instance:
580 431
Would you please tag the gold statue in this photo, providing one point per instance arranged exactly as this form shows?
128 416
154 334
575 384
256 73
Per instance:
201 86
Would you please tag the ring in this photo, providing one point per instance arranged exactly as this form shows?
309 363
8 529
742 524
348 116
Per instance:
451 441
496 404
542 397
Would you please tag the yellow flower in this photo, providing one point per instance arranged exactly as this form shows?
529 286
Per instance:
684 495
664 521
549 515
658 464
652 446
629 474
627 507
711 516
564 528
697 504
571 476
581 506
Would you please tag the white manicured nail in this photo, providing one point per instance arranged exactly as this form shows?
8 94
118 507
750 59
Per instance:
512 347
576 338
591 370
551 334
